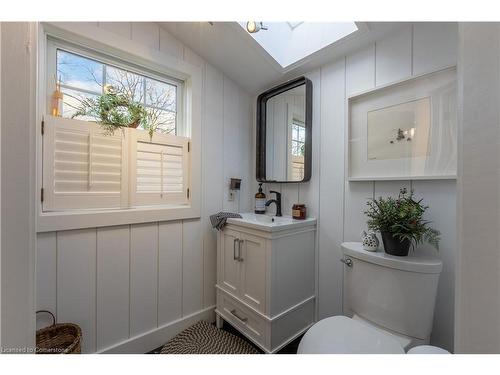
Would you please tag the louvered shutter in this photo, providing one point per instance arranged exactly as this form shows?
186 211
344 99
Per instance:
297 168
159 169
83 168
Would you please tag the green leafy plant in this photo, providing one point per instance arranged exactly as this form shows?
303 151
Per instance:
402 217
114 110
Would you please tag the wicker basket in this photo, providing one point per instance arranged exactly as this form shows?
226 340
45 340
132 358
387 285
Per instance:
62 338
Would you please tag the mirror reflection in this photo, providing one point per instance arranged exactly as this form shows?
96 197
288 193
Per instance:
286 135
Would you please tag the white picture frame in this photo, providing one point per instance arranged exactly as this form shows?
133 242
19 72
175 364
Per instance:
404 131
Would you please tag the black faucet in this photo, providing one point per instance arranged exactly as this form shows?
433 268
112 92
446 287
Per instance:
277 201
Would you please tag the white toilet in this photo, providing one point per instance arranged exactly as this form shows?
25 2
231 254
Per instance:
388 303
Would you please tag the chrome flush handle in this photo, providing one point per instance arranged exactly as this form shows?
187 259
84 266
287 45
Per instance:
347 261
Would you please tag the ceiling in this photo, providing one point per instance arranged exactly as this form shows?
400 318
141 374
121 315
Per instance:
228 47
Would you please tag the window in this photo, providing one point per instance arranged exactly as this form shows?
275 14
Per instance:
291 43
298 138
86 168
83 77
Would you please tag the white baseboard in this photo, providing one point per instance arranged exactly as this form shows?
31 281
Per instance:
159 336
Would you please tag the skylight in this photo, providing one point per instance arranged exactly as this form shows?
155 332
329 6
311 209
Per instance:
289 42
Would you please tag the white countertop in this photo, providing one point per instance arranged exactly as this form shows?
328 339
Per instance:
269 223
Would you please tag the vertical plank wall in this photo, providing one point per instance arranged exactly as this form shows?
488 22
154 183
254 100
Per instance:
122 282
17 147
339 204
478 301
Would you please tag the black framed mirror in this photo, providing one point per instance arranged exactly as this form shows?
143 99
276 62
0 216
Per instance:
284 132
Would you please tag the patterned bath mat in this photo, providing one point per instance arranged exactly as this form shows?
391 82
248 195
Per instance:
205 338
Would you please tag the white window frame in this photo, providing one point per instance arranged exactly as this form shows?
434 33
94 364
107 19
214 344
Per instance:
92 38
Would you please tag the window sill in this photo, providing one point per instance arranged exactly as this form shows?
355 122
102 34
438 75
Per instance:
66 220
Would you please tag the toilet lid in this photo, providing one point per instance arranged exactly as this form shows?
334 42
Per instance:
427 349
343 335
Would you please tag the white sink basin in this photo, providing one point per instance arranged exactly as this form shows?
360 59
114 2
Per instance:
270 223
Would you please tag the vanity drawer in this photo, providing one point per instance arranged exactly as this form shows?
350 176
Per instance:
243 318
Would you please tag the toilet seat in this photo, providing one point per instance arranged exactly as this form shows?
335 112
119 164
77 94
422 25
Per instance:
427 349
343 335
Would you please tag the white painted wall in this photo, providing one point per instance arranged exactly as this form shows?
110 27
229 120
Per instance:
477 323
0 182
121 282
339 204
17 178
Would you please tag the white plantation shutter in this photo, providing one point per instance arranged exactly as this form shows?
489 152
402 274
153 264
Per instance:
297 167
159 169
83 168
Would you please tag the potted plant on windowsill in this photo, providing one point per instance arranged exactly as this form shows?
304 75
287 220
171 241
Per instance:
113 110
400 223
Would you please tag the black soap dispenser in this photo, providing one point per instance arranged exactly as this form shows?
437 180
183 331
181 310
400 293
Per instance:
260 201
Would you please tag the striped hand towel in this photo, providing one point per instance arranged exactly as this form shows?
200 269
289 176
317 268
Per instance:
218 220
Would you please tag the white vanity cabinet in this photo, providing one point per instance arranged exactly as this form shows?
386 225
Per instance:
266 278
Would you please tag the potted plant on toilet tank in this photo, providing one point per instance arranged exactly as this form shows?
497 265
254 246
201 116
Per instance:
400 223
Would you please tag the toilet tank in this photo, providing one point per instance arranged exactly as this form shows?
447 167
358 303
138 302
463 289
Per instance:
396 293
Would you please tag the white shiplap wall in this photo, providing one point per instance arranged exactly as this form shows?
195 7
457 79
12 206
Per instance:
17 198
478 272
121 282
339 204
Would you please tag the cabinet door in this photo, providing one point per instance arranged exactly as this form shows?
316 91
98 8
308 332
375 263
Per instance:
230 266
253 271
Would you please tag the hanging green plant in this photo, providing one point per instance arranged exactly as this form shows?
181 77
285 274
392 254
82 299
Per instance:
113 110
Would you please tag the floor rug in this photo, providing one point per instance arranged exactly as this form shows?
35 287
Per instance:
206 338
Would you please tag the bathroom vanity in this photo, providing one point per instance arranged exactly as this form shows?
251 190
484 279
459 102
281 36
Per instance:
266 278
